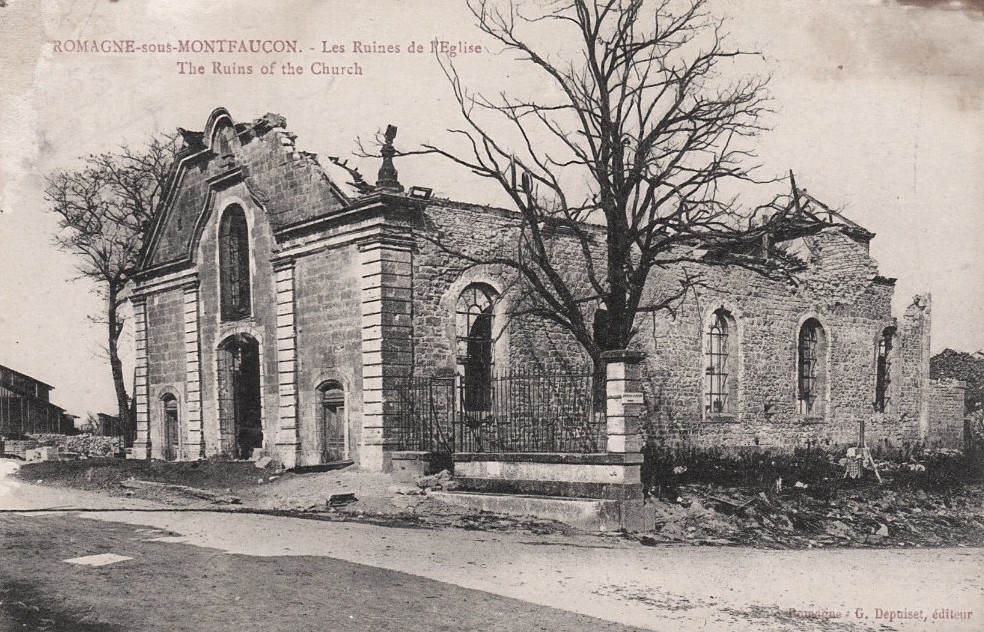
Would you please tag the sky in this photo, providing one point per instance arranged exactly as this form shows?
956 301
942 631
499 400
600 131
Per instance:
879 110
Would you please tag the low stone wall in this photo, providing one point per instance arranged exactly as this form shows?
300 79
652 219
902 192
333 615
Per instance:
83 445
612 476
17 448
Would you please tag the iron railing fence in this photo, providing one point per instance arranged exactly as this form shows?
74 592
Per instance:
425 413
523 412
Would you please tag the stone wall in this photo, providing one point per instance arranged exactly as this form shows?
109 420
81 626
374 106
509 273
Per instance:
329 343
452 237
946 413
165 360
838 285
852 305
364 294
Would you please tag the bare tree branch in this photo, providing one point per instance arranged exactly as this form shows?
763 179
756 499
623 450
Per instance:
105 208
631 152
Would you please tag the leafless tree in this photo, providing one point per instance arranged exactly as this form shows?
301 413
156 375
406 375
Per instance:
104 210
636 140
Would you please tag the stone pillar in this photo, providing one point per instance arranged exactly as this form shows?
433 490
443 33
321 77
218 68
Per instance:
287 438
141 443
624 400
623 413
194 437
387 340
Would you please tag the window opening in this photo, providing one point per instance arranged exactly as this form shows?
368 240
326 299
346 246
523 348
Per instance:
234 277
474 321
883 379
717 387
812 350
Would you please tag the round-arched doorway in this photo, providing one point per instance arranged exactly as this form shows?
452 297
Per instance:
240 410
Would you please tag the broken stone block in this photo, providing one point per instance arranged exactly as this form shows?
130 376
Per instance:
341 499
432 482
838 529
262 462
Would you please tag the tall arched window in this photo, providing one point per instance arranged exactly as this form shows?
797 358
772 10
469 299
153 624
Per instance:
883 369
473 325
234 280
720 376
172 433
812 368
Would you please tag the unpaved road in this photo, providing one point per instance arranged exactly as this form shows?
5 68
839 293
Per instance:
658 588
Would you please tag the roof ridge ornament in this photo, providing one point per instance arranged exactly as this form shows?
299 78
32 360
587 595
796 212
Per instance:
388 180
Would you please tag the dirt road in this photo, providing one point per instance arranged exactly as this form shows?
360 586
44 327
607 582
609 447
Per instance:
658 588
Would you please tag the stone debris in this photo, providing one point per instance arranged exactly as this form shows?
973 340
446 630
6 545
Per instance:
434 481
406 501
808 517
341 499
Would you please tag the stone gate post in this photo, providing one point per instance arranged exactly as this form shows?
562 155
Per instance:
624 402
623 414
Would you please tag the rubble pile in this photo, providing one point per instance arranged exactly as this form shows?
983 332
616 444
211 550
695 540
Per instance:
801 517
93 446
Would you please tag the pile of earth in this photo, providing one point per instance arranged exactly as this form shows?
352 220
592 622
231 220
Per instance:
340 495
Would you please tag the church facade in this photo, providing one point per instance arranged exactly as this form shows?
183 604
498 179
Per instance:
281 304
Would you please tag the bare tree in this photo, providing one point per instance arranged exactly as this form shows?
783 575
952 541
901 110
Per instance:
636 140
104 210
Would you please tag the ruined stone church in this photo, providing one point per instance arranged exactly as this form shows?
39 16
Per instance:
282 305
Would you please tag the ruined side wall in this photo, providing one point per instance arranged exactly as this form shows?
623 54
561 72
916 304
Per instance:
912 388
840 288
946 413
329 343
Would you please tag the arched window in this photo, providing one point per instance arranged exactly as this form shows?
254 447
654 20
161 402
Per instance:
473 325
812 368
234 281
883 370
172 432
720 376
333 422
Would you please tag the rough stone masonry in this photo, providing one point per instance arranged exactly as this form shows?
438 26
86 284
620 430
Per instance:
346 291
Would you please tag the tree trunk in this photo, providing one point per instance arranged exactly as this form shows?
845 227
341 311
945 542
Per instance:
599 382
114 330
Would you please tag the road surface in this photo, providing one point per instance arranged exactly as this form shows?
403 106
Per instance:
216 571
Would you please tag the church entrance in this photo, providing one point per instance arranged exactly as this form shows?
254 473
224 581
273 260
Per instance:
332 422
240 412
